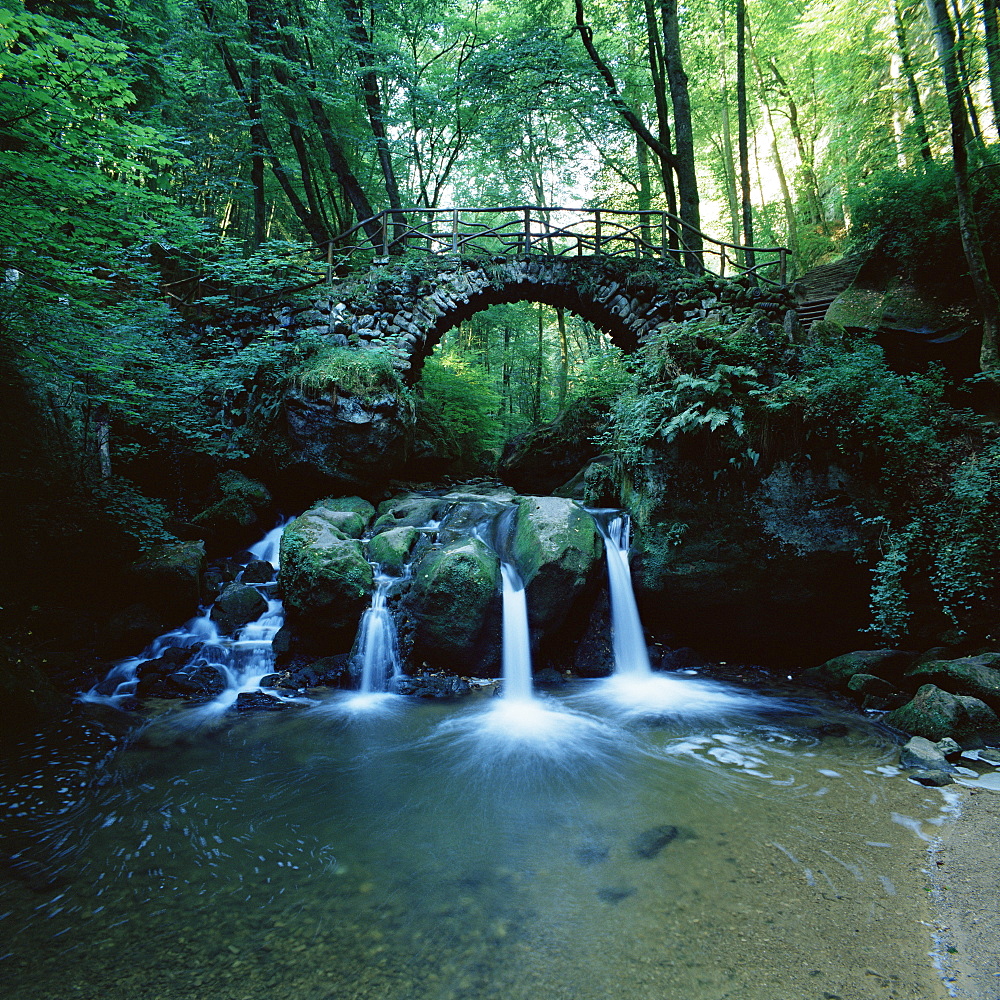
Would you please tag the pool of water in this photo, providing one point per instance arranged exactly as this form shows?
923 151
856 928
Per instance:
570 848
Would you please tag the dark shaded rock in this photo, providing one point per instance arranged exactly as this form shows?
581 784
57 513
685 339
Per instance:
258 701
836 674
684 658
650 842
542 459
935 714
168 579
549 678
258 571
331 437
875 692
240 512
237 605
933 779
432 686
594 655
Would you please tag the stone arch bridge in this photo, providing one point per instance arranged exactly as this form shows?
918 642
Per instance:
621 271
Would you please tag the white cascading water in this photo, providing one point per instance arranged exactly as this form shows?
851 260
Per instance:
627 638
516 638
242 660
376 649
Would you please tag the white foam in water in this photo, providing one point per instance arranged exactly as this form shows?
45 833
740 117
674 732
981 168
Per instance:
659 695
376 649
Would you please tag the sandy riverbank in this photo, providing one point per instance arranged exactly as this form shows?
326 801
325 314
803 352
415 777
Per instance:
965 889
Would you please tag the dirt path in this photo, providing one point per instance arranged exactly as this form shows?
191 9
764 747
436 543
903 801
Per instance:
965 880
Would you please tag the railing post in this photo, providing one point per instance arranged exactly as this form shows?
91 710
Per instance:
527 230
663 235
329 262
385 232
597 232
454 231
783 266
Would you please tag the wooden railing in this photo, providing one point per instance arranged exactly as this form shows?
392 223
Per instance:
527 229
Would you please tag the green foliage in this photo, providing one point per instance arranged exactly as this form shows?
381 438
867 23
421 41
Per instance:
912 217
456 412
604 377
354 372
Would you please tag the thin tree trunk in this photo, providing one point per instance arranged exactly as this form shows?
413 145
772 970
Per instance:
373 104
916 105
684 161
741 105
654 52
986 293
254 23
991 36
563 357
963 74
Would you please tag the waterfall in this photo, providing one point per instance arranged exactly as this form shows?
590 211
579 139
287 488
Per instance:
240 661
627 638
516 639
498 535
376 650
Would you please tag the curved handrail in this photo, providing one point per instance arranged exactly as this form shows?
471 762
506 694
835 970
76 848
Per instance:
526 229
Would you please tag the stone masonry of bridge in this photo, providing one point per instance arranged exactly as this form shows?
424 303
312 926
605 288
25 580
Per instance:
404 307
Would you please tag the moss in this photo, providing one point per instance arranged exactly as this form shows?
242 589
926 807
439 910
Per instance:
391 548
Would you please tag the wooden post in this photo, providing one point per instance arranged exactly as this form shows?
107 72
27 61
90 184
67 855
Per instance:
597 232
385 232
454 231
527 230
663 235
782 266
329 262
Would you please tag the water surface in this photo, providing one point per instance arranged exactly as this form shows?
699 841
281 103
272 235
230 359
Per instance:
410 850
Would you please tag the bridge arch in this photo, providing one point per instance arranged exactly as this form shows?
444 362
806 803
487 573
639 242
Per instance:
405 307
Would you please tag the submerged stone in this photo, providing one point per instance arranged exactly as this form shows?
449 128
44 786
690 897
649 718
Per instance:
650 842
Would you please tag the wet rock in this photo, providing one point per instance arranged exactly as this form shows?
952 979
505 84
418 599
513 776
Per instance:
453 607
949 747
391 548
558 550
836 674
922 755
650 842
935 714
258 701
237 605
325 578
549 678
239 512
258 571
433 686
933 778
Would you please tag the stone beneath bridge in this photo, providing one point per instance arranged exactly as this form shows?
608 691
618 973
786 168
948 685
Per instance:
404 307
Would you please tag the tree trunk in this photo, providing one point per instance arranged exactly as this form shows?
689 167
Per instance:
563 357
963 74
654 52
749 257
916 105
254 25
373 104
986 293
991 36
684 164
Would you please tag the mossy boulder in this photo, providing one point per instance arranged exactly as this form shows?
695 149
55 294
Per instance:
836 674
240 512
975 676
325 578
391 549
453 608
558 551
410 511
236 606
935 714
